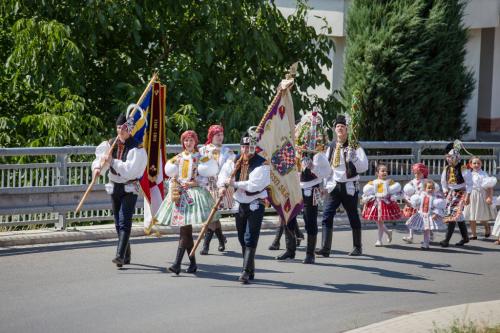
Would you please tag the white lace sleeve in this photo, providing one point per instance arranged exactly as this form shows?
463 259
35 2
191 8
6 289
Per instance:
133 167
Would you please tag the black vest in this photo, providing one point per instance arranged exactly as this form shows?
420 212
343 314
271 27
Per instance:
254 162
307 175
350 168
129 144
458 173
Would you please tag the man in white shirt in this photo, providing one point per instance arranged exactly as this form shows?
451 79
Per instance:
126 163
343 187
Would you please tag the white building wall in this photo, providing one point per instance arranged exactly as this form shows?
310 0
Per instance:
472 61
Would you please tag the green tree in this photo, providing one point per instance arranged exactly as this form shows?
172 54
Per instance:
406 60
75 65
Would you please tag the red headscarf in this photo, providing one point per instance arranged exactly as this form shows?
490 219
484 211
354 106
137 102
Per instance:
420 167
212 131
189 134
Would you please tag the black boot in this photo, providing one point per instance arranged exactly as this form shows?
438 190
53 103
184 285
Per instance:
276 242
176 267
451 228
299 236
326 234
465 235
248 265
291 245
222 239
356 242
121 248
192 263
206 242
128 254
311 245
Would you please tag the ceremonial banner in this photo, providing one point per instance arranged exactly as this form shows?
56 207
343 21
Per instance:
149 130
275 135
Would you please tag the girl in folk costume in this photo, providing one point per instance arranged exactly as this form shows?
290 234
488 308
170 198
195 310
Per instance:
380 197
314 167
214 150
430 212
456 181
496 227
188 202
416 186
480 207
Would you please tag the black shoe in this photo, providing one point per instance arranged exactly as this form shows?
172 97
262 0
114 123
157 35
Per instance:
121 248
444 243
206 242
128 255
176 267
462 242
465 234
118 261
326 244
449 232
291 245
248 266
192 264
356 251
276 242
311 244
222 239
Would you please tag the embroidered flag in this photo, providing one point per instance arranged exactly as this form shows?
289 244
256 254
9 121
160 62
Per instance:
149 131
275 138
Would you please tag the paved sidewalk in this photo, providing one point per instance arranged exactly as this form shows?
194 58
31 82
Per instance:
484 314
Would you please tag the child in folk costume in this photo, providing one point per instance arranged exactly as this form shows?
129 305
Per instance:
496 227
456 181
430 212
313 167
480 207
380 197
214 150
188 202
416 186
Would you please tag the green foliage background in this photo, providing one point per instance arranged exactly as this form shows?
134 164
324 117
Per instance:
406 58
72 66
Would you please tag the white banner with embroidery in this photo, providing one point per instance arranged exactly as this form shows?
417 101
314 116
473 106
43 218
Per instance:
275 135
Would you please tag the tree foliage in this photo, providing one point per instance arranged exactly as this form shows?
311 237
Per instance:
406 59
72 66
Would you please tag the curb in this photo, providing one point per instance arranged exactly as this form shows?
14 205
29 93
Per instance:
482 314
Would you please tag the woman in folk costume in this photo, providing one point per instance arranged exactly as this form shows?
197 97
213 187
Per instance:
480 207
314 167
214 150
456 181
416 186
430 212
380 197
188 202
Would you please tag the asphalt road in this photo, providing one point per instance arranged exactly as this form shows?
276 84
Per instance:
74 287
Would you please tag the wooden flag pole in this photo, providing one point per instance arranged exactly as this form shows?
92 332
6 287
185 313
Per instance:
102 164
213 211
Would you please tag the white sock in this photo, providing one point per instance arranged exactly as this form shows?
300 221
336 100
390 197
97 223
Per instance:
411 233
427 237
380 226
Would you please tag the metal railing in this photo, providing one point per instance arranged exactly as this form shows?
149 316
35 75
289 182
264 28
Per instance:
47 193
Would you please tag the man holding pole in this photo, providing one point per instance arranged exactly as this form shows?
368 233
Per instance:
126 163
251 178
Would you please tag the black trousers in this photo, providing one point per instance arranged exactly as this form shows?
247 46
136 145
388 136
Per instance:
248 224
349 202
123 204
310 214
